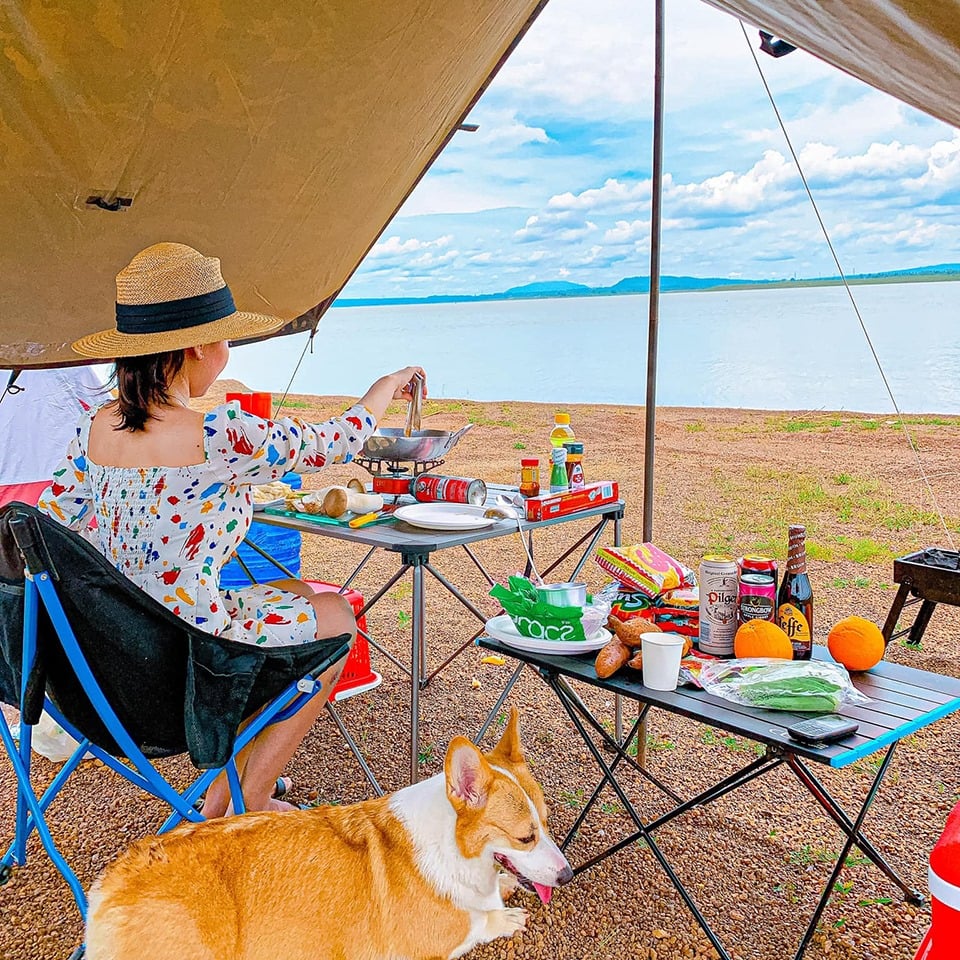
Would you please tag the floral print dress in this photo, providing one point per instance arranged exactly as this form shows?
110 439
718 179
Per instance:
171 529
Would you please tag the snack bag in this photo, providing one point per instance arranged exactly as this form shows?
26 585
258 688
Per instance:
645 567
628 604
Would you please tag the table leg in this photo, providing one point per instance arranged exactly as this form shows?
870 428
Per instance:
896 608
642 831
840 818
416 668
844 853
500 702
354 749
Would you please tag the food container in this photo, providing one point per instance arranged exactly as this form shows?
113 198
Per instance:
563 594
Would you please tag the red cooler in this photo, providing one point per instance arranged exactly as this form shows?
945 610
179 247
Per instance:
357 676
942 941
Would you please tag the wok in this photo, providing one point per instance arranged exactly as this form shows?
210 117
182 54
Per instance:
389 443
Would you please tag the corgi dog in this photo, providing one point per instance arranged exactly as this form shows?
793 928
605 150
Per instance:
416 875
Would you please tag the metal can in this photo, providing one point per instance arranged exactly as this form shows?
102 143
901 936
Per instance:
428 488
757 589
718 604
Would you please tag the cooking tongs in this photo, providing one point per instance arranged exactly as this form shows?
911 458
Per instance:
415 409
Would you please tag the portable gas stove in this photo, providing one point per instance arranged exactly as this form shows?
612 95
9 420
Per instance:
928 577
394 478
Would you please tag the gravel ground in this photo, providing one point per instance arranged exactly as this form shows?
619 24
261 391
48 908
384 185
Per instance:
756 859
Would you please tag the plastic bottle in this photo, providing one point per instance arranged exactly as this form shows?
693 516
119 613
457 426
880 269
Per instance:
558 470
562 431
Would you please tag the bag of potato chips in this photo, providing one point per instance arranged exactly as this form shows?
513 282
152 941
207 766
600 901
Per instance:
645 568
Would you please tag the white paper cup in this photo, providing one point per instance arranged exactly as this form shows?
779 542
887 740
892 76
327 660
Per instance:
662 653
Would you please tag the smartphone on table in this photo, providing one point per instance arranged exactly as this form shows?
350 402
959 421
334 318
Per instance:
826 729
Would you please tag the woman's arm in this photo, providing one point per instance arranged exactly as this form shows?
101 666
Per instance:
252 450
394 386
69 498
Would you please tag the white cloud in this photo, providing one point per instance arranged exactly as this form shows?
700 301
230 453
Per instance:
394 246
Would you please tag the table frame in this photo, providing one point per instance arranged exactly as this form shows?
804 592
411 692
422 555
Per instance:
902 711
415 548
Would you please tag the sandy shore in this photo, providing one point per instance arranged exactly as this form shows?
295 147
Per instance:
725 479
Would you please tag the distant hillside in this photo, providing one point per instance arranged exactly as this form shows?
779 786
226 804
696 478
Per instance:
668 284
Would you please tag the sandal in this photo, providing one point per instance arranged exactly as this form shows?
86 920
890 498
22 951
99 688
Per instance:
281 788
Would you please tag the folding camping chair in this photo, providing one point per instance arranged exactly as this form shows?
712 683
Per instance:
126 677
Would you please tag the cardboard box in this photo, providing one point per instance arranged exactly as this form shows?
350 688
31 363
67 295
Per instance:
550 505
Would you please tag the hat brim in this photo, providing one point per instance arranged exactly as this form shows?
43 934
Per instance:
110 344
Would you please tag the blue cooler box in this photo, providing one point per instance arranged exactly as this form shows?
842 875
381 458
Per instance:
283 545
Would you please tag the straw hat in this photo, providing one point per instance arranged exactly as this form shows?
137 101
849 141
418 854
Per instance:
171 297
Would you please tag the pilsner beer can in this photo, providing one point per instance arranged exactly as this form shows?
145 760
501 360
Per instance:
429 487
718 604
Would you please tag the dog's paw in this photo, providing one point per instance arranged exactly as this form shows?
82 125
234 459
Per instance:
509 921
509 884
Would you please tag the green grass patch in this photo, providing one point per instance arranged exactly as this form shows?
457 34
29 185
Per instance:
698 426
842 479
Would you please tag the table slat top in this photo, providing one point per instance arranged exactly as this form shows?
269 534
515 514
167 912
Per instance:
401 537
902 701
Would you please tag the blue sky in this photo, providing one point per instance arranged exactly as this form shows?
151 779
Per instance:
555 185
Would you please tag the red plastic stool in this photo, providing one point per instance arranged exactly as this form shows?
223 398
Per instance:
357 676
942 938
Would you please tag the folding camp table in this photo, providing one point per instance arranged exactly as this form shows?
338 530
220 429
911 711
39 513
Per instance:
902 700
416 547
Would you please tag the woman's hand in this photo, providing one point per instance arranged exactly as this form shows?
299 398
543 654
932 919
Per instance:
405 380
393 386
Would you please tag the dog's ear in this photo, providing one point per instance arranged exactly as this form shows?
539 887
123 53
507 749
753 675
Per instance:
509 749
468 775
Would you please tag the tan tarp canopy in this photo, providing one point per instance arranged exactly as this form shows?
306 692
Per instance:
908 48
282 137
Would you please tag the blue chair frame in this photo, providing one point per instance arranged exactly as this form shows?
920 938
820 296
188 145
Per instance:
31 809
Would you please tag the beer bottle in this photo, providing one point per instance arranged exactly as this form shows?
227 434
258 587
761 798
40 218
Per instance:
795 600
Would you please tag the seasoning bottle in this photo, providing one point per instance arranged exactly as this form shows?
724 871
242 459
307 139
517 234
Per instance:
795 599
562 431
574 450
530 477
558 471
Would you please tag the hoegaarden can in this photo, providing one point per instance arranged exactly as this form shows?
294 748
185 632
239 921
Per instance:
718 604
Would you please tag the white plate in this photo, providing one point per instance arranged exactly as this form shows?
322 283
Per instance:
502 628
257 507
445 516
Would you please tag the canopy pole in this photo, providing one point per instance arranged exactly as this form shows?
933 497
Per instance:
656 189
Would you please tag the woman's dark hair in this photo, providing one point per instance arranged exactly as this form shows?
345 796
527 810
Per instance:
141 383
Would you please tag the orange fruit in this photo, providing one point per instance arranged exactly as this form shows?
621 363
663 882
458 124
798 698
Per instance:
761 638
856 643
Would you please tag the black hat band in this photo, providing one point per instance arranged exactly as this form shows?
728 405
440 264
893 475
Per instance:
175 314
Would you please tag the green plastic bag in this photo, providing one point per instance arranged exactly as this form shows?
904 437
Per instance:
536 619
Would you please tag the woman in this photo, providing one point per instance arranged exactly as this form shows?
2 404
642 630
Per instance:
171 488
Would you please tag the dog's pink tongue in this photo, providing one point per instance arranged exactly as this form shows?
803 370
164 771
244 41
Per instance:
544 893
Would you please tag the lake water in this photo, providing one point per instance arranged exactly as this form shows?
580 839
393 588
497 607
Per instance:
769 349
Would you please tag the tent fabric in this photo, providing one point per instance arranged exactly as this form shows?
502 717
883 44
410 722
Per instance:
280 137
283 137
174 688
38 419
907 48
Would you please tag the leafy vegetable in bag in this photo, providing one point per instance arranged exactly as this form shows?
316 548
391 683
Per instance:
810 686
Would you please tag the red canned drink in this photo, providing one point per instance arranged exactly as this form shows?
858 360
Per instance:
428 488
718 604
757 591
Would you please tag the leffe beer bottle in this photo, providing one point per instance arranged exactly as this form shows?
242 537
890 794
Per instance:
795 599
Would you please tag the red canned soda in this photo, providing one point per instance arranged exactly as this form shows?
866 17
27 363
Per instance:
757 591
429 487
